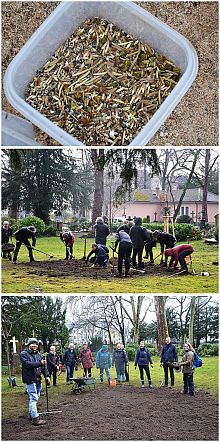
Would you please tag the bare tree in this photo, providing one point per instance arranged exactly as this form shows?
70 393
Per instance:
162 328
136 306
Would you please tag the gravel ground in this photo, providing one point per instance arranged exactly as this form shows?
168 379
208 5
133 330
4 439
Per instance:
197 21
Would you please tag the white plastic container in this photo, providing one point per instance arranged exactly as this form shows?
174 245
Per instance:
16 131
66 18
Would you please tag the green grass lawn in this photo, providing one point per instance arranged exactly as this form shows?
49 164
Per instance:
14 401
16 280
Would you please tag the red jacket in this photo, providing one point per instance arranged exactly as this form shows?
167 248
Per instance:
86 358
175 251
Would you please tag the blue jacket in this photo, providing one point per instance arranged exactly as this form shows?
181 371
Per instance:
169 353
31 367
103 359
143 357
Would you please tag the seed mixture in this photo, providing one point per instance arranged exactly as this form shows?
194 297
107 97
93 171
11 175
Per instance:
102 86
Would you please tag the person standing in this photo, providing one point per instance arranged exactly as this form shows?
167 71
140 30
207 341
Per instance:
101 231
68 239
119 360
124 251
69 359
188 371
53 364
85 355
103 362
33 366
22 236
138 236
168 354
143 359
6 236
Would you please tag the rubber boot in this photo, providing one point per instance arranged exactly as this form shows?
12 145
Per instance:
38 421
29 417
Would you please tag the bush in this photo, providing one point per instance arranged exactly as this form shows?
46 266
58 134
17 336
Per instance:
131 351
38 223
184 219
208 349
50 231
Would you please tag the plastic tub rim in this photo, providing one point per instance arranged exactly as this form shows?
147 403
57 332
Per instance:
149 129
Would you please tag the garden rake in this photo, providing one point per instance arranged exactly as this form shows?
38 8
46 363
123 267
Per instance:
48 411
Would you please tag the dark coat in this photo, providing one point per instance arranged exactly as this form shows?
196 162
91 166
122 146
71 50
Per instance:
69 358
169 353
143 357
119 358
6 234
31 367
166 240
23 235
86 358
124 227
138 235
101 232
52 361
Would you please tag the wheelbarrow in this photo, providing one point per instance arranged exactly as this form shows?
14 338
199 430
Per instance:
8 249
80 384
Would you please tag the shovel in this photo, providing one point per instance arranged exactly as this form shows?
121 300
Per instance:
84 255
37 250
113 259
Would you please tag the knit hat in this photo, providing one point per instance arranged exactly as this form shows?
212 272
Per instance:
31 229
32 341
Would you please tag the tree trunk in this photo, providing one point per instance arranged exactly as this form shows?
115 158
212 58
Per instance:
186 185
164 175
162 328
7 349
192 318
205 186
97 157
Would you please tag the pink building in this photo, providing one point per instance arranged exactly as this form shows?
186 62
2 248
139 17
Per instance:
153 204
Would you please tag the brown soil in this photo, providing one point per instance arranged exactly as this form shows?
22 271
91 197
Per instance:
78 268
123 413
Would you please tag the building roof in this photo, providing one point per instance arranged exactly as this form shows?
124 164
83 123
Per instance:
192 195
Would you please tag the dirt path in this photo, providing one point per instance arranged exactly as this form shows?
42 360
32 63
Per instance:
124 413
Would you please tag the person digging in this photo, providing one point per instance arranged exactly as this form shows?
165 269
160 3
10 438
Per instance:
178 255
22 236
166 241
68 239
124 251
33 367
101 255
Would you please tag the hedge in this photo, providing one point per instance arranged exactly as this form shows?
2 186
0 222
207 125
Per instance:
183 232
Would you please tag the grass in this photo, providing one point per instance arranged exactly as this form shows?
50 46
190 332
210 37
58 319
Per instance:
16 280
15 402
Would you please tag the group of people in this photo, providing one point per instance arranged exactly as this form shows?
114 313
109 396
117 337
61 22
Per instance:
131 240
34 365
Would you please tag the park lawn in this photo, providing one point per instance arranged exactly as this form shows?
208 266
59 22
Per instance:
16 280
15 401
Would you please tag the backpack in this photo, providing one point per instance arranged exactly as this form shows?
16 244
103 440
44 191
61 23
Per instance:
197 361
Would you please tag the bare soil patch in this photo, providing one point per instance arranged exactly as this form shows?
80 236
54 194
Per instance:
79 269
123 413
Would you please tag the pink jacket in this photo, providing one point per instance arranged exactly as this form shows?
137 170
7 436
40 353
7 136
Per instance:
86 358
